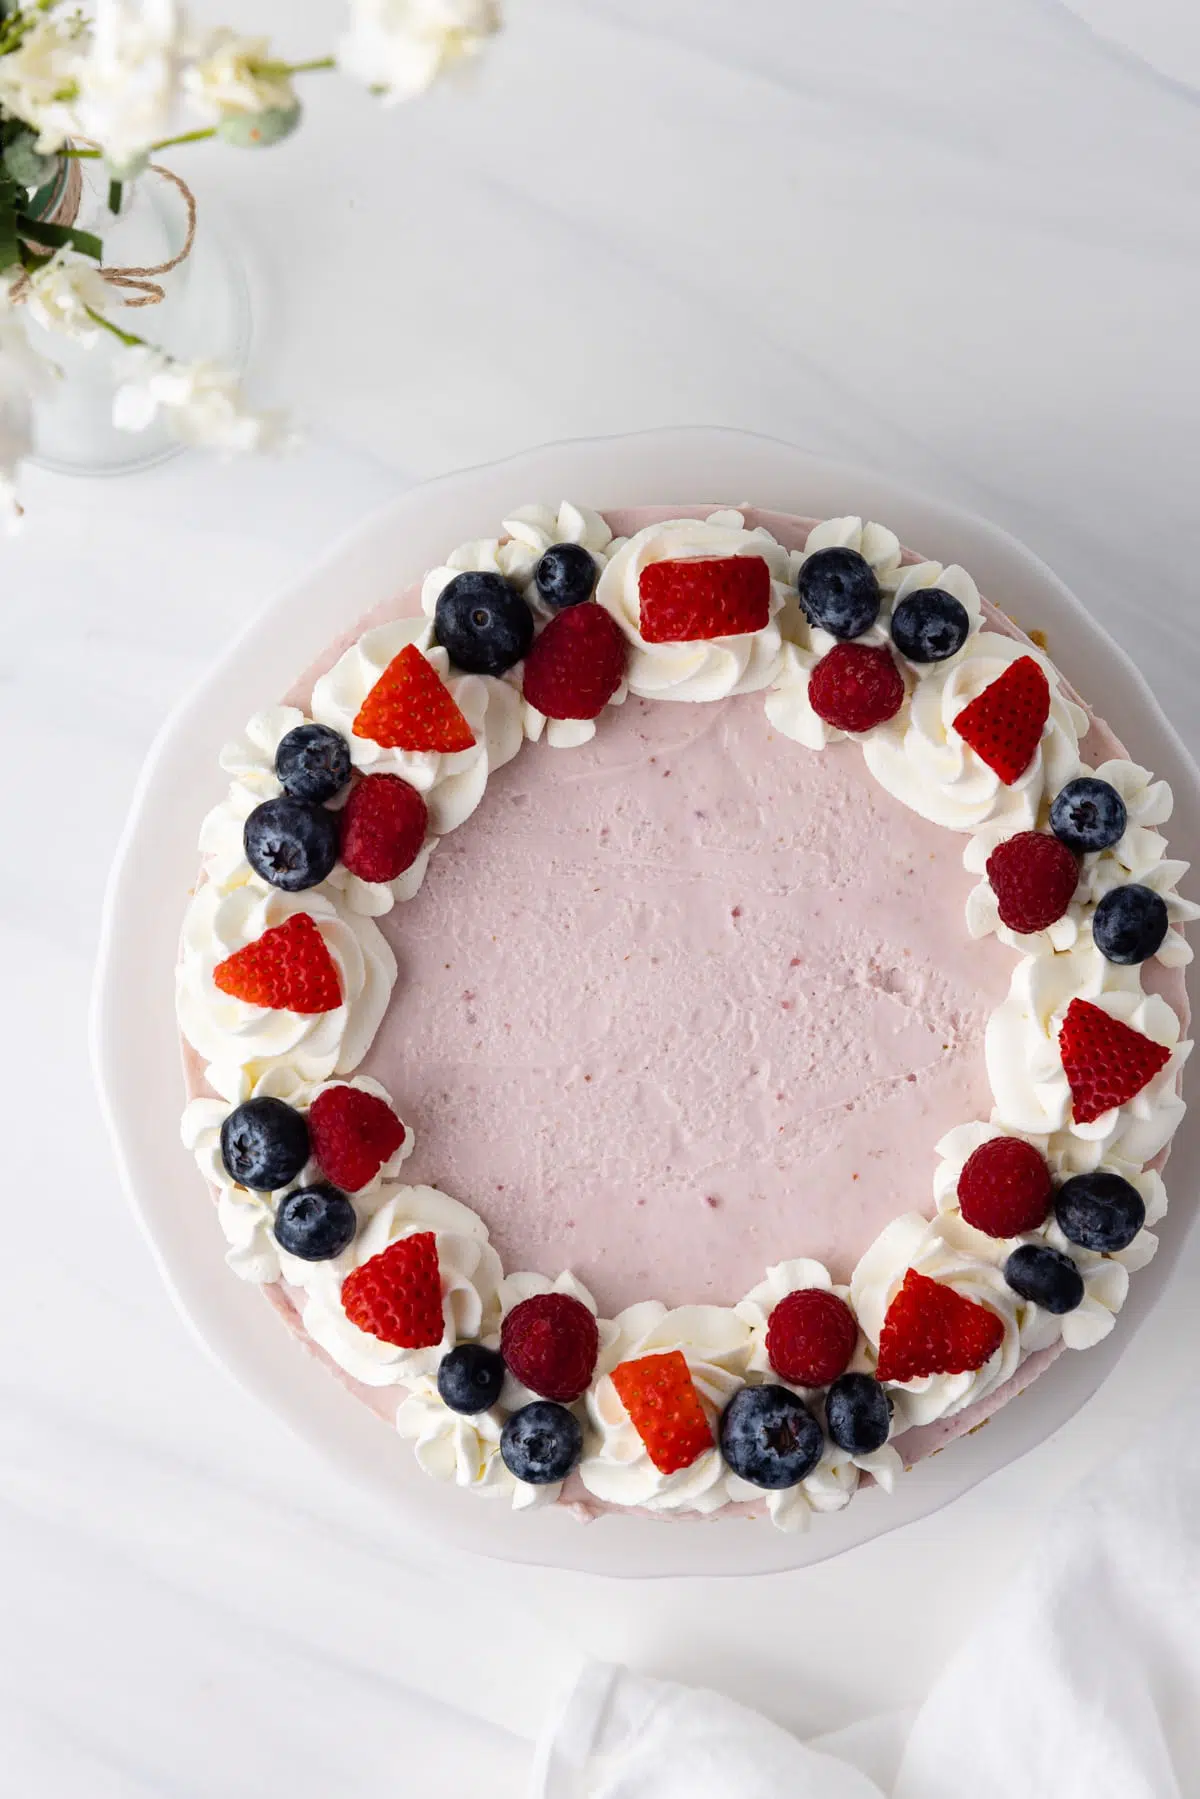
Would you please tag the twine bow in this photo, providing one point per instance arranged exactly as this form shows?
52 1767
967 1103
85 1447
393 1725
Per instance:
137 286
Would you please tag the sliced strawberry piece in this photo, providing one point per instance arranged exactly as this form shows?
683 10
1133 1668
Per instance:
352 1134
658 1393
1004 724
411 708
931 1329
576 664
1106 1063
703 597
288 969
397 1295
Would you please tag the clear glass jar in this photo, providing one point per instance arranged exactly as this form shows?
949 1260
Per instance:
204 314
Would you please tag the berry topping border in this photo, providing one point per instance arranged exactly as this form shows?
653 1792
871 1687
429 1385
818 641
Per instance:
511 1384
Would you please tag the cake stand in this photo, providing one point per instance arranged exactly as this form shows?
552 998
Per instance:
135 1043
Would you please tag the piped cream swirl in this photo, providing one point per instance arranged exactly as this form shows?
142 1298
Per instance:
239 1040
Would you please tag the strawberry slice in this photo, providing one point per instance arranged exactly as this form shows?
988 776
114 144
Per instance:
703 597
288 969
1004 724
411 708
397 1295
931 1329
658 1394
1106 1062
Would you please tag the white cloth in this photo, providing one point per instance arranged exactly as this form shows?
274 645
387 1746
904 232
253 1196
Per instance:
1081 1684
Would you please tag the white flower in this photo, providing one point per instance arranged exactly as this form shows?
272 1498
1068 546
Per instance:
402 46
130 78
201 402
38 80
22 373
16 434
234 74
62 295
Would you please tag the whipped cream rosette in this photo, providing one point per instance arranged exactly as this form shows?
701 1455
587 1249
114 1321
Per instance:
921 759
1025 1065
617 1467
236 1037
248 1218
470 1277
452 784
936 1249
703 669
1139 855
250 759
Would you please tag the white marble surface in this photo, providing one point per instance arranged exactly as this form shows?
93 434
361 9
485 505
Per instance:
957 241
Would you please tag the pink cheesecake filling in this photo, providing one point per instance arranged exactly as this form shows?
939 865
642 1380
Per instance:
684 1002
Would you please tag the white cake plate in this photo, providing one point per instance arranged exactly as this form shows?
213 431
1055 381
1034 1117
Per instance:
135 1044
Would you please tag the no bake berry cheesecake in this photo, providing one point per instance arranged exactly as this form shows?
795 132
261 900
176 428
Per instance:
685 1011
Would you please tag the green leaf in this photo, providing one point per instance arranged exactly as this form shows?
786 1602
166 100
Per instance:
58 236
27 165
10 243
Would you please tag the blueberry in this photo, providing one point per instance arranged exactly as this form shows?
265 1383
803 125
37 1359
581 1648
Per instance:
482 624
839 592
312 763
770 1437
1088 814
930 625
315 1223
264 1144
541 1443
290 843
858 1412
566 575
469 1379
1046 1276
1130 923
1101 1211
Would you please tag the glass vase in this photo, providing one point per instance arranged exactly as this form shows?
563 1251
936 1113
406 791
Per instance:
204 314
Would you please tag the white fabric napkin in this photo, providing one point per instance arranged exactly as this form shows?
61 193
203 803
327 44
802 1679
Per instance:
1083 1683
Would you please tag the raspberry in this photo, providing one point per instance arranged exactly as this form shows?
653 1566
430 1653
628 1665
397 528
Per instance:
411 708
931 1329
702 597
1005 1187
1106 1062
1034 878
856 686
397 1295
658 1393
288 968
353 1134
1004 724
576 665
383 828
811 1336
550 1343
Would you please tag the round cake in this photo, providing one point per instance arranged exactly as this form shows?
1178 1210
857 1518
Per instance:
685 1011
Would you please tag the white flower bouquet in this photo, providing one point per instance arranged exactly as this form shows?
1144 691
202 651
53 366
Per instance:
116 84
